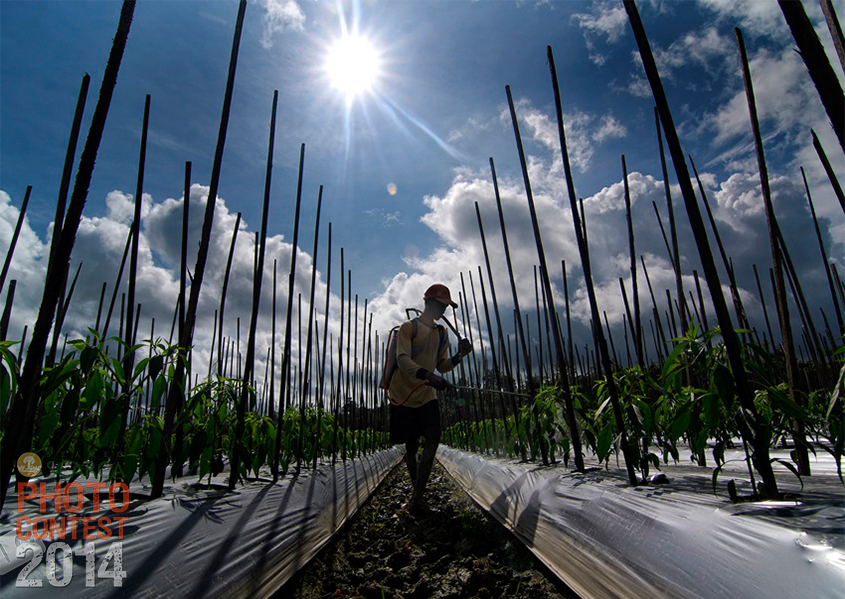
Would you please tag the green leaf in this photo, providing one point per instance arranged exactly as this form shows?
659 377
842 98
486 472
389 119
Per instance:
837 391
782 402
716 472
604 442
93 392
87 359
791 467
69 406
109 414
5 390
139 368
48 426
724 381
711 410
197 446
205 461
681 423
673 361
151 450
108 437
719 453
602 407
644 414
159 387
155 366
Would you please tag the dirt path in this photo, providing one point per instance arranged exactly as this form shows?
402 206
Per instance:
455 552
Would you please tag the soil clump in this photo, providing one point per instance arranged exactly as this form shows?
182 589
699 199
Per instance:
457 551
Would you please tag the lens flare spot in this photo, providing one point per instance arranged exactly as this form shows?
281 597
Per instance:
391 189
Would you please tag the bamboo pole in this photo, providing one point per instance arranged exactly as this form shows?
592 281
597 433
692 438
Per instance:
117 286
614 357
756 434
271 411
286 361
67 171
591 293
763 302
742 319
839 287
224 292
199 269
777 256
548 329
496 373
815 59
568 315
508 378
517 313
479 378
569 406
663 234
628 312
308 342
14 242
638 340
655 312
7 311
824 257
540 365
129 356
213 341
798 293
322 388
22 344
835 30
61 312
673 229
704 324
339 390
100 306
508 375
18 439
183 268
834 182
347 396
261 246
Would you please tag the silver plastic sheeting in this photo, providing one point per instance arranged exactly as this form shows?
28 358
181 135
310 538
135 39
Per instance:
607 539
198 541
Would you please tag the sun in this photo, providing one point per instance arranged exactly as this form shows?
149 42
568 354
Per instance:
353 65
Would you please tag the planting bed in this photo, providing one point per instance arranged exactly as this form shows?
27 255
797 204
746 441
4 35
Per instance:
675 540
198 540
457 551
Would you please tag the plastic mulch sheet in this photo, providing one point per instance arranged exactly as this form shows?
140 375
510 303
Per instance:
605 538
195 541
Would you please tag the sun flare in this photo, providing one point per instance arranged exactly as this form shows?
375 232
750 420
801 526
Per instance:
352 65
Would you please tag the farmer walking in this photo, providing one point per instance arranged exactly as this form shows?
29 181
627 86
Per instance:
421 347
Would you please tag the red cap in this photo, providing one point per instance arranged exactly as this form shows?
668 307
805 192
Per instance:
441 294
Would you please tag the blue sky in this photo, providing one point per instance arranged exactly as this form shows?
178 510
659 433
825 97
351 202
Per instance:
433 118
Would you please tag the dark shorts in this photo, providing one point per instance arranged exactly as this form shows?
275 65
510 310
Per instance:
408 424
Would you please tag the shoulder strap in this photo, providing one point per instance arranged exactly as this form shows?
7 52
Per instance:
444 336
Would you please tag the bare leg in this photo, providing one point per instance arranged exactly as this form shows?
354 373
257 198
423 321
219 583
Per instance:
432 440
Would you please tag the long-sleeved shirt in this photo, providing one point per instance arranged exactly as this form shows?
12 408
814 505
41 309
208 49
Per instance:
413 352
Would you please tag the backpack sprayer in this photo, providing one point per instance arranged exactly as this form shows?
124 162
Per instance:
390 365
458 335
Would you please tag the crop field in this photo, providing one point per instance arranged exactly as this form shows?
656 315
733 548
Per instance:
686 384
